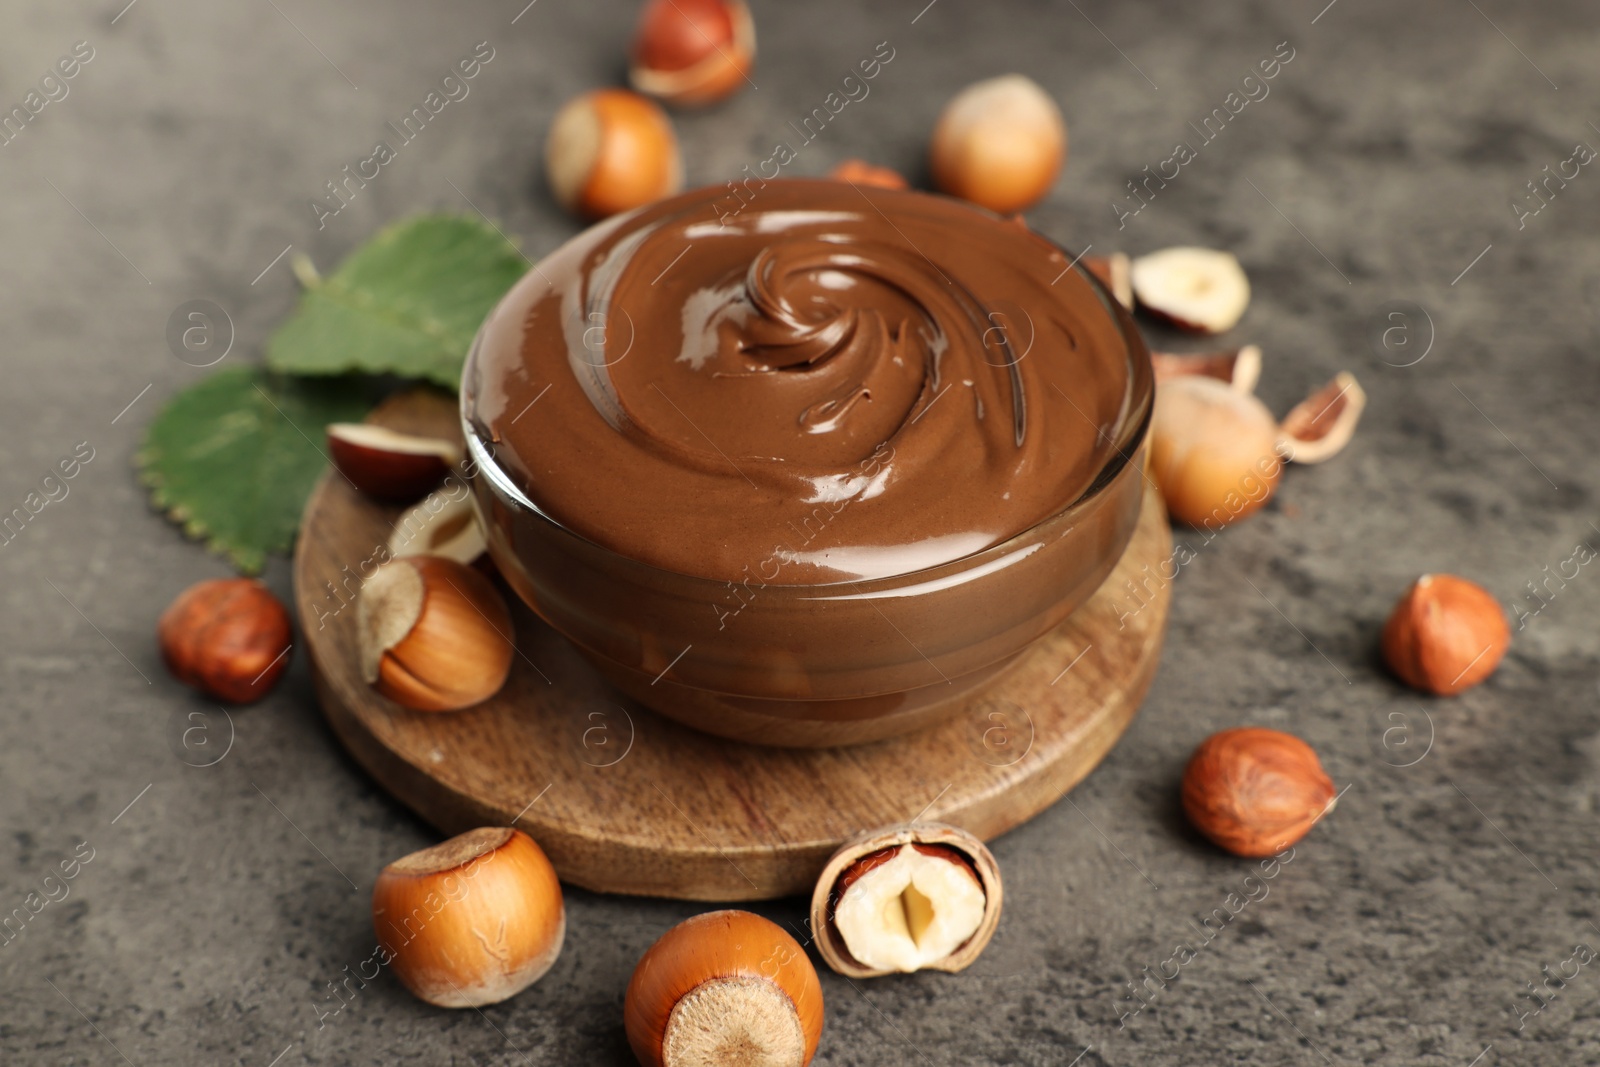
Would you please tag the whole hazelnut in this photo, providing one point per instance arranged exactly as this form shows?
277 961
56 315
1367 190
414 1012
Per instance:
692 52
1213 451
999 143
611 150
1445 634
473 920
726 987
228 637
1254 791
433 634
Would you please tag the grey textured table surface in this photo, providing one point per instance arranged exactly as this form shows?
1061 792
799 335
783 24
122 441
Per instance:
220 901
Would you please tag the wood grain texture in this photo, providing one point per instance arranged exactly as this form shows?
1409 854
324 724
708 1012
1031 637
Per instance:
625 801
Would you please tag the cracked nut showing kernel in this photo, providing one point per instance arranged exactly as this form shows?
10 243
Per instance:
471 921
1196 289
1446 634
726 987
911 898
692 52
1254 791
389 465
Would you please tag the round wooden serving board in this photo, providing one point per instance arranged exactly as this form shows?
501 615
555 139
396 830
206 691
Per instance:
625 801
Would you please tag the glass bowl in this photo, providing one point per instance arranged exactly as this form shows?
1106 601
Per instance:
815 665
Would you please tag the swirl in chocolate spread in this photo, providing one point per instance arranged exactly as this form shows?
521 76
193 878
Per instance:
842 384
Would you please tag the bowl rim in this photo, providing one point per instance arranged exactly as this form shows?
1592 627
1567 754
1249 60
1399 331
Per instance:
1132 432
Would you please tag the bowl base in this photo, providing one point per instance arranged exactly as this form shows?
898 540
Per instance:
795 724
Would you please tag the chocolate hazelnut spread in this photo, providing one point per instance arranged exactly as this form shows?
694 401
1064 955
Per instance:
836 384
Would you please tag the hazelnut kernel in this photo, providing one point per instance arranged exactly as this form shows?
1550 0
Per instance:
228 637
1254 791
1446 634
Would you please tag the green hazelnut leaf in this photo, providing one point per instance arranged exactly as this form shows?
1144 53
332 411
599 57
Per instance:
406 303
233 458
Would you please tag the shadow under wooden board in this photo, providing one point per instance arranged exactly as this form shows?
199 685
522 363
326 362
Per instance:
625 801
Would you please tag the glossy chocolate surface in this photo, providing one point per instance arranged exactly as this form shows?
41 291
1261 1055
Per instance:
834 383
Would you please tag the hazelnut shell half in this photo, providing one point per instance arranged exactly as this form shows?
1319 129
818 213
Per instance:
692 52
1319 427
1238 367
389 465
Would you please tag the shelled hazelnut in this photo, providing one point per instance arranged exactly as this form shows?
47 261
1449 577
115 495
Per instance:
726 987
1254 791
228 637
909 898
1446 634
473 920
860 172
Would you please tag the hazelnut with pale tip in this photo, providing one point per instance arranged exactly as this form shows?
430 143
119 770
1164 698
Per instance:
471 921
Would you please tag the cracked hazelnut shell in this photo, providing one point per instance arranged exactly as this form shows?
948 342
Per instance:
920 897
1319 427
1196 289
439 526
1240 368
386 464
692 52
